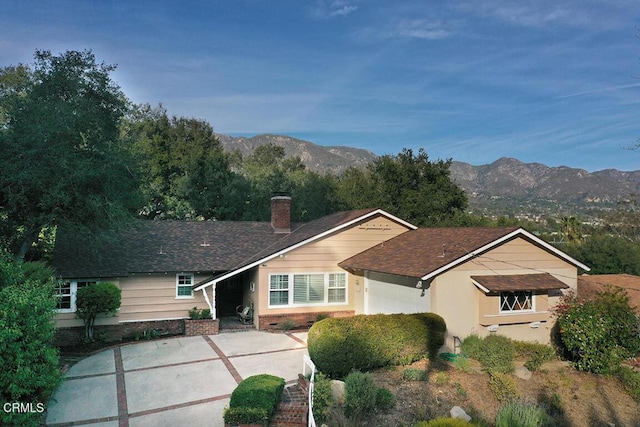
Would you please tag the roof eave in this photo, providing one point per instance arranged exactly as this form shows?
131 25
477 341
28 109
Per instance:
499 241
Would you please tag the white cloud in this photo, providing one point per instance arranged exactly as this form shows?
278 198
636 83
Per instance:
543 13
424 29
329 9
421 29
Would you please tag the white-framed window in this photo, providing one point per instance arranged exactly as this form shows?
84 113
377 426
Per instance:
337 291
303 289
184 285
66 294
515 301
278 289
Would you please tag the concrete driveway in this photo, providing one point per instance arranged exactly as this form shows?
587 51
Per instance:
171 382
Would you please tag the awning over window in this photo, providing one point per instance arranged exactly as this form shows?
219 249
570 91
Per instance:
518 282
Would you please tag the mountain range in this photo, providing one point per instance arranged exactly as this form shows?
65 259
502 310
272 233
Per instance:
504 187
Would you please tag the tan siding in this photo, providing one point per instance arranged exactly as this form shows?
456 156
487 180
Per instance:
468 310
145 297
323 256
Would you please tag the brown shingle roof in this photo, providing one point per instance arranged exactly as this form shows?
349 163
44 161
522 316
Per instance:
520 282
161 246
174 246
589 285
419 252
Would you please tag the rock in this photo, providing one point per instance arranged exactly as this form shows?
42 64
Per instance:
523 373
458 412
337 390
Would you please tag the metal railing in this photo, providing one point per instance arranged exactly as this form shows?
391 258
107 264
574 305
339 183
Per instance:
308 363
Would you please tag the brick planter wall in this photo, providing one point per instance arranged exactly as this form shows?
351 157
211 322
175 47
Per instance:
300 320
201 327
114 333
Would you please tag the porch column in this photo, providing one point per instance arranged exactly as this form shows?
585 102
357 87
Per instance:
212 307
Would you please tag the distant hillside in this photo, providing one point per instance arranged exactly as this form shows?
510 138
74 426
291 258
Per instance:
511 186
506 186
334 159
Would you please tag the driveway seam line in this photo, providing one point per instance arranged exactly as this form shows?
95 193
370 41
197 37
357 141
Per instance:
178 406
259 353
170 365
227 363
293 337
123 416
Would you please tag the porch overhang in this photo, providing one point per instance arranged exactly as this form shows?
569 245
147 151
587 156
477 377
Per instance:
518 282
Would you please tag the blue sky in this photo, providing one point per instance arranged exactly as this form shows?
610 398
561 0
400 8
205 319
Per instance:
549 81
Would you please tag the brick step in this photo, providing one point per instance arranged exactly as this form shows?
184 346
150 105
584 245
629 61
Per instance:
292 411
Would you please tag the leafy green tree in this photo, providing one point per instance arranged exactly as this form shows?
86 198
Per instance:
30 371
601 332
184 170
607 254
61 157
92 300
570 228
268 169
407 185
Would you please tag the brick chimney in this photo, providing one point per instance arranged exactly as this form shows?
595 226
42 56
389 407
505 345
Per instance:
281 213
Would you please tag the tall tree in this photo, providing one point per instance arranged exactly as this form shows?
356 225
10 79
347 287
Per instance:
407 185
184 167
267 169
60 154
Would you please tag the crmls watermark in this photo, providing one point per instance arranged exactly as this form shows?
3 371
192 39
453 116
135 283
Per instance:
23 407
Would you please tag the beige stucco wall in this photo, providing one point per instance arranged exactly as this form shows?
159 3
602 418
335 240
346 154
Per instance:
323 256
468 310
144 297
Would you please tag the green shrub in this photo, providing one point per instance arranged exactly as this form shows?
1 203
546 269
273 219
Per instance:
360 394
462 363
536 353
470 346
30 371
197 314
242 415
503 387
322 398
630 380
365 342
521 414
287 325
385 400
412 374
99 298
255 396
443 422
496 354
599 333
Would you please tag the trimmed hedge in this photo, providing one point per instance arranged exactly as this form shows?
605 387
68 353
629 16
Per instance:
340 345
254 400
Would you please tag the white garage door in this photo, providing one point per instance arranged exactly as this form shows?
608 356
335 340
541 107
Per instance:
393 294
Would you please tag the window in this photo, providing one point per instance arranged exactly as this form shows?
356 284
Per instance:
337 287
308 288
300 289
63 293
184 285
279 289
516 301
66 294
